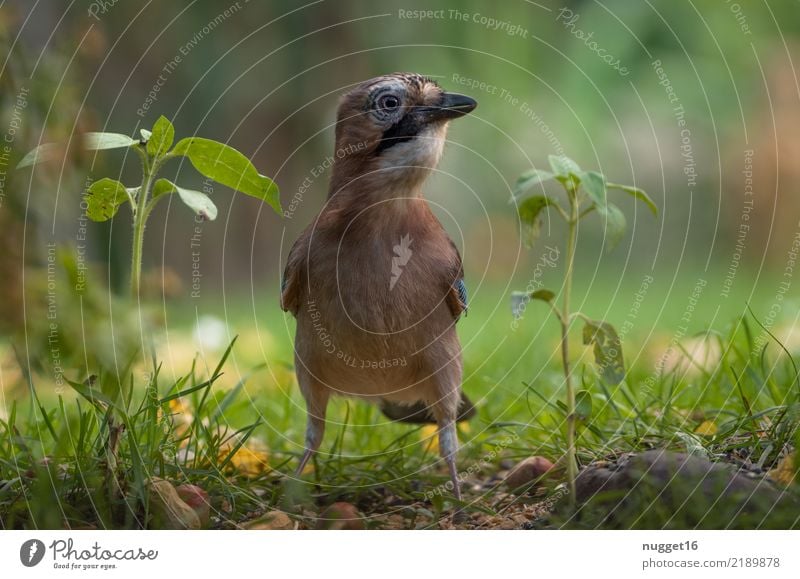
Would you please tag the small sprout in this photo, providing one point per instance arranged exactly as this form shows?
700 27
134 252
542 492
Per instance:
214 160
586 192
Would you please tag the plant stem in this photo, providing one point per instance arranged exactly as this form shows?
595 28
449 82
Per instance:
565 325
139 220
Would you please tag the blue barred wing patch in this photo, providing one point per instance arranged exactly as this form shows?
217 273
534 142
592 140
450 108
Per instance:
461 288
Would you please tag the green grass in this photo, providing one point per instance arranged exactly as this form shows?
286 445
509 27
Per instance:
749 390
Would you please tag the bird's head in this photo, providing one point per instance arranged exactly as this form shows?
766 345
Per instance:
392 129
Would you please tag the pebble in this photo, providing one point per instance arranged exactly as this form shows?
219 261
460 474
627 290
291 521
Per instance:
167 508
271 521
341 516
529 470
197 498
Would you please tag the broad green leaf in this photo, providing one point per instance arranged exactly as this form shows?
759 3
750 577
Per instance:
99 141
91 141
615 225
544 295
583 405
564 168
228 166
519 300
104 198
637 193
607 350
162 187
595 186
145 134
198 202
42 153
529 211
161 138
530 178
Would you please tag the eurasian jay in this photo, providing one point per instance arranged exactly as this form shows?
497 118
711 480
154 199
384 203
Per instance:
375 283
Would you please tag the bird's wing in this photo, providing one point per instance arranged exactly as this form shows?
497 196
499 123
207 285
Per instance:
419 412
291 280
457 293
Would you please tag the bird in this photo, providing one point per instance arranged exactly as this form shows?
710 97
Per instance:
374 281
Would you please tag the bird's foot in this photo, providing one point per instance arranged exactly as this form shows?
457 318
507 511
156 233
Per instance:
303 462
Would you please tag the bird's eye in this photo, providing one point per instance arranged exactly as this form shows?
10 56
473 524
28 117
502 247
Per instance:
388 102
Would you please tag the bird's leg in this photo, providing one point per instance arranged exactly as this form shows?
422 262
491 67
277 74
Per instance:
316 405
448 448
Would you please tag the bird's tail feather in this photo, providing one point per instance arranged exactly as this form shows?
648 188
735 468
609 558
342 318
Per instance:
420 413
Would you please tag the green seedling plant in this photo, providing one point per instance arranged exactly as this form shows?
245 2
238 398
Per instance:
586 193
214 160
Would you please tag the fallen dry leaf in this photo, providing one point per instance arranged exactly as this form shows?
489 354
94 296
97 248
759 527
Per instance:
706 428
429 437
272 521
250 460
785 472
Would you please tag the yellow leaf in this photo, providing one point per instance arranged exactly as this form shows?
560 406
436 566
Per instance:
429 436
250 460
706 428
785 473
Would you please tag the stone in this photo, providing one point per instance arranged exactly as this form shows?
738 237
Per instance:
528 471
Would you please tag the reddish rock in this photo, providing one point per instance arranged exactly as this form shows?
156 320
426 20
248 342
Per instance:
198 499
529 470
341 516
167 508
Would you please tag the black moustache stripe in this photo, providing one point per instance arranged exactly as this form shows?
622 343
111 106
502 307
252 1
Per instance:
402 131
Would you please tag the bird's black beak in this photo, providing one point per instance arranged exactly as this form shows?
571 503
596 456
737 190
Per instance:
452 106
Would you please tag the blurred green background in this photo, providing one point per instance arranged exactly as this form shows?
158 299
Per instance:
696 102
